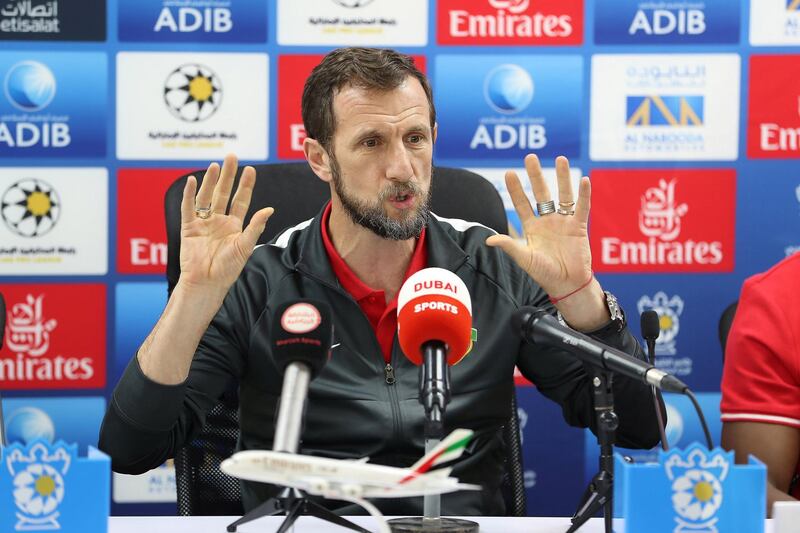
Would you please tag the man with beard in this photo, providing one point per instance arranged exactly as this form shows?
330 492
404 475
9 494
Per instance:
371 127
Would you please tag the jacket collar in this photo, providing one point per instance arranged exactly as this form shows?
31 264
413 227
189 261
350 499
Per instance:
443 251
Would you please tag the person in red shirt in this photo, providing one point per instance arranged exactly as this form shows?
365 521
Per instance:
761 378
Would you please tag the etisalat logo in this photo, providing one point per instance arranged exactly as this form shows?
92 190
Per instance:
29 16
660 222
697 489
669 312
192 92
28 333
508 89
30 207
39 486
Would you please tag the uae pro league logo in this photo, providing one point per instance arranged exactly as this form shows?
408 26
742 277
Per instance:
697 489
193 92
30 207
39 487
669 312
508 89
30 86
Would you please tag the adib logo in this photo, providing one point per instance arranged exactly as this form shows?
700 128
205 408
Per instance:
53 104
503 110
30 207
192 92
664 110
30 86
666 21
669 312
218 21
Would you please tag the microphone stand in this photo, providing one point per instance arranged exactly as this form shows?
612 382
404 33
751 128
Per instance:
434 395
599 493
291 501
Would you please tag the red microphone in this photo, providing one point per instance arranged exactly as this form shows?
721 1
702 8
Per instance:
434 324
434 306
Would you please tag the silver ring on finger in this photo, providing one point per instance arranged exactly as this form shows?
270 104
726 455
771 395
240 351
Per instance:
566 205
202 212
568 212
545 208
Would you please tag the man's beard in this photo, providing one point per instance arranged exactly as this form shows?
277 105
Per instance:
374 218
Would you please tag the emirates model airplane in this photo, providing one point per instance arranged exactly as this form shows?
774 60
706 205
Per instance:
354 480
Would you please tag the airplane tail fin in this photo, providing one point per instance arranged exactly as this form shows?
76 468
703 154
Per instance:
449 449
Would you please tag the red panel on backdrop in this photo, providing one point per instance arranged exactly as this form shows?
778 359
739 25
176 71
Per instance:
293 70
773 118
55 337
510 22
141 231
662 220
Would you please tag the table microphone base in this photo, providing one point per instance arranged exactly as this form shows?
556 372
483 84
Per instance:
417 524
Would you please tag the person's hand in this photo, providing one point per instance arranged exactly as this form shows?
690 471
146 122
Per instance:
556 253
214 248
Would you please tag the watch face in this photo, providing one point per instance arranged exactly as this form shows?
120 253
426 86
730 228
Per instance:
613 307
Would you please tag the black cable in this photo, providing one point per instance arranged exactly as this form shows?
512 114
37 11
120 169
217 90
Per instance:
709 443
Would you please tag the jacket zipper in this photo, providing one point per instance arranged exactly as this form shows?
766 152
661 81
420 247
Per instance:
388 372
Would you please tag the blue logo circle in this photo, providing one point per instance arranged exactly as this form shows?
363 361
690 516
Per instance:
508 88
30 86
29 423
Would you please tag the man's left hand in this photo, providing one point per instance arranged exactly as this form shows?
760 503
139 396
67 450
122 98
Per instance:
556 252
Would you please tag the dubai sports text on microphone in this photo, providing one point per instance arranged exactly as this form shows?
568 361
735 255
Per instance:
434 323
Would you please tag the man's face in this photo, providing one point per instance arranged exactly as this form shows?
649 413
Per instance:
381 156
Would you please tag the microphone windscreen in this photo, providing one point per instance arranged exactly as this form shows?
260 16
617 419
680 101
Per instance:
302 332
651 328
434 305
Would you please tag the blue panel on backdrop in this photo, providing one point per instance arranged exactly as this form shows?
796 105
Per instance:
73 420
552 453
504 107
193 21
645 22
683 429
774 185
54 104
138 306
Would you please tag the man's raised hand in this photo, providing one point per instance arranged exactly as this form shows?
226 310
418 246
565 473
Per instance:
214 247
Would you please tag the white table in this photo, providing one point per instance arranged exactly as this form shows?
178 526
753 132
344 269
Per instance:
218 524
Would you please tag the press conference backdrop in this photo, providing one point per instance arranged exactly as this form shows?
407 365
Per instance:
686 116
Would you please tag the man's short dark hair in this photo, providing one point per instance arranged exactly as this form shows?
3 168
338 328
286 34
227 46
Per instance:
368 68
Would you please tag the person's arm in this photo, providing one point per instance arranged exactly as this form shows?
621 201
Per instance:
760 387
557 256
777 446
165 391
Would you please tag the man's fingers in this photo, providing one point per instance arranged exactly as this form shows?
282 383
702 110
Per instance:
584 202
244 193
256 227
514 249
565 194
206 191
222 192
187 202
541 192
518 196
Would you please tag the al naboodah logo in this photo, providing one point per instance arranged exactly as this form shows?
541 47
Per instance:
193 92
30 207
660 110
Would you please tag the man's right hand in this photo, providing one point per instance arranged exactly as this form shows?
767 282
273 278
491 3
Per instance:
214 248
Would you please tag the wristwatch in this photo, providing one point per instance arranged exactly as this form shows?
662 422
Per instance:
617 321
